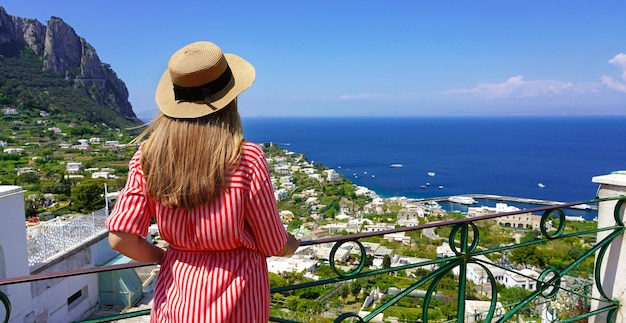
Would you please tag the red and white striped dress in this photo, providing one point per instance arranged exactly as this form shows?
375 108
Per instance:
215 268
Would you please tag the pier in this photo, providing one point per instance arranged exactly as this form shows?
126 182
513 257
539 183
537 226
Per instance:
580 205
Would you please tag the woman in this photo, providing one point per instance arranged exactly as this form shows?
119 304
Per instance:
209 192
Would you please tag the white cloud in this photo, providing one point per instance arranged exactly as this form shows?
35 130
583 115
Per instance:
516 86
613 84
620 61
361 96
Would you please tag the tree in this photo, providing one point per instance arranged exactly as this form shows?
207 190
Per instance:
450 309
88 196
291 302
344 291
310 307
355 288
386 261
514 295
294 224
30 208
576 252
28 178
528 255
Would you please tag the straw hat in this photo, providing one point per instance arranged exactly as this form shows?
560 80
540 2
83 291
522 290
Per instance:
200 80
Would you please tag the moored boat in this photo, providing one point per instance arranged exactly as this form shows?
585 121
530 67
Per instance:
467 200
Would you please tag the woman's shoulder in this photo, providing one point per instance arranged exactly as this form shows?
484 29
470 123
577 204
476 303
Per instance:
135 161
251 149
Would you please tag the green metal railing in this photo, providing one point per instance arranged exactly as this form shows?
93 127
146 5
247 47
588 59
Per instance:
465 242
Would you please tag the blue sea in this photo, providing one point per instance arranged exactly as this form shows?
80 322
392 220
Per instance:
506 156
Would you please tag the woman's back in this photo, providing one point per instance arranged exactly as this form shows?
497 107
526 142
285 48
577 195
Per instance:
230 221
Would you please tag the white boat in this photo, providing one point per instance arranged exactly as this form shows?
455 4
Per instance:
467 200
396 165
541 185
440 187
581 206
431 174
433 205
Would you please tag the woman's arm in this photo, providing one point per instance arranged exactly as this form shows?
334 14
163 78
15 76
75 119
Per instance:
290 246
135 247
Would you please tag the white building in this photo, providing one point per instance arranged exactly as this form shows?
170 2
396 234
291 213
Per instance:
409 217
105 175
332 176
9 111
376 227
283 169
12 246
279 265
308 171
335 228
341 254
476 311
56 131
73 167
520 221
25 170
288 186
399 237
479 275
526 279
40 250
286 215
444 251
13 150
280 194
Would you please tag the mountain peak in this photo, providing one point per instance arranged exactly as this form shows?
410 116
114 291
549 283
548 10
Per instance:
68 55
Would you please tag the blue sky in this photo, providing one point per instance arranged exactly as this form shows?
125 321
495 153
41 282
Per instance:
373 58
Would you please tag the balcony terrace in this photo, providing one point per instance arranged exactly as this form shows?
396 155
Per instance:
568 292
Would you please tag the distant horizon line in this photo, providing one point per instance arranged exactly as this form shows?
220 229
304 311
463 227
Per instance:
424 116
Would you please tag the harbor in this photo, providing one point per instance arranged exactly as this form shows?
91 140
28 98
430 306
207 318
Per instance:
587 211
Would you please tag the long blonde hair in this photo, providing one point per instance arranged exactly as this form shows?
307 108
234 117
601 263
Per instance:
186 161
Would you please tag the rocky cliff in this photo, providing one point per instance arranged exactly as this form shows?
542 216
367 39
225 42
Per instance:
67 54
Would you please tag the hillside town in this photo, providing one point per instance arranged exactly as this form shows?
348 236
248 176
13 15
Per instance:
394 212
315 202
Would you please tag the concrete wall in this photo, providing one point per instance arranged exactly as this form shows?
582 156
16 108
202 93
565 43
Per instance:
72 298
613 266
13 256
51 300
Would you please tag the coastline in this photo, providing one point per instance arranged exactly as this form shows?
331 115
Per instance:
576 210
506 156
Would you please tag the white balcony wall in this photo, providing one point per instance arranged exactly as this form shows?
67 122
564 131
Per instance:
613 267
13 258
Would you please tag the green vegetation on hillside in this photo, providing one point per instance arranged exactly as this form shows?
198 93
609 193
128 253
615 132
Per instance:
26 86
